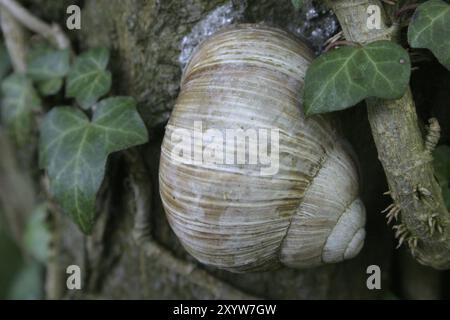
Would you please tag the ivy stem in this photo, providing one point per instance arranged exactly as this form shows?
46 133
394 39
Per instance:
53 32
15 40
402 150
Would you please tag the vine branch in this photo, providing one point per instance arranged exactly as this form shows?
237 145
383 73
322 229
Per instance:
404 154
15 40
53 32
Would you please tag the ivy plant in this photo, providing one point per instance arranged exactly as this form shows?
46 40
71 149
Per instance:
77 138
346 76
48 67
74 150
88 79
19 101
341 78
74 147
429 29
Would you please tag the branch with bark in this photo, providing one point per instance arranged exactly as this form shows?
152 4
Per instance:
403 151
15 40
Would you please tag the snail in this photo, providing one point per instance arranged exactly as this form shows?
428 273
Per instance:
303 212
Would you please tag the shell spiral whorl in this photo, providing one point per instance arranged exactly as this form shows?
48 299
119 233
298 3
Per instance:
230 215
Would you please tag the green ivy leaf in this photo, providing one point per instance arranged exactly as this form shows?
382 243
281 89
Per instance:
50 87
18 103
88 79
47 64
341 78
441 161
47 67
297 4
74 151
430 29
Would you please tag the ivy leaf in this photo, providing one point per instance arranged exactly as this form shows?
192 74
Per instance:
88 79
47 67
341 78
74 151
47 64
50 87
430 27
441 161
297 4
18 103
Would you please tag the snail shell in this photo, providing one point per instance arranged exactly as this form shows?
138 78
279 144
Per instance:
231 216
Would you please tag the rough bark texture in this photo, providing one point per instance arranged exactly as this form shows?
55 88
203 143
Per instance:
402 150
